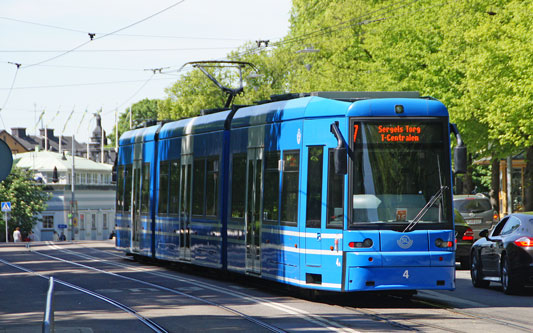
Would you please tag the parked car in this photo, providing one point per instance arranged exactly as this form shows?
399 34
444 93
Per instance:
505 255
477 211
464 238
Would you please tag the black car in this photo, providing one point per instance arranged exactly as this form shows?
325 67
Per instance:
464 238
505 255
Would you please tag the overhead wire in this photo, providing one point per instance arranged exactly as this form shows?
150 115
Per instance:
80 84
9 92
117 50
92 37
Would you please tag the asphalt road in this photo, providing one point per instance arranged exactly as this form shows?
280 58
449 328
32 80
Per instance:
183 301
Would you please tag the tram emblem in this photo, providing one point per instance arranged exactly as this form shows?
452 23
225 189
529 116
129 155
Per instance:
298 136
404 242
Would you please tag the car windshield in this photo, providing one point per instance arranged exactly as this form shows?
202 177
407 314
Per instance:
398 166
472 205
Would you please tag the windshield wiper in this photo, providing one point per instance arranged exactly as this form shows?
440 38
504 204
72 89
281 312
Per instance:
425 209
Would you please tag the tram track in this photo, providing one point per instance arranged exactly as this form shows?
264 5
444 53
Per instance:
404 322
146 321
395 321
289 310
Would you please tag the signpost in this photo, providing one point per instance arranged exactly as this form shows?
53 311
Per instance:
6 208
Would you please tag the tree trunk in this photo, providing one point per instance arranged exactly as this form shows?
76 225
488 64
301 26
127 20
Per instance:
468 181
528 180
495 184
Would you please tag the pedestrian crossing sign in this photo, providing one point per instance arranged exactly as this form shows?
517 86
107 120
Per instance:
6 206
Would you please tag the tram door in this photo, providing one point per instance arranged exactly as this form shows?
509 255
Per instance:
136 206
185 207
253 218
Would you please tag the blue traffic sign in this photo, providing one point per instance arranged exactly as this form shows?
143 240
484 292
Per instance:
62 226
6 206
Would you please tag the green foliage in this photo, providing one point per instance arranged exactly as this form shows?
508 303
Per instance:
27 199
146 109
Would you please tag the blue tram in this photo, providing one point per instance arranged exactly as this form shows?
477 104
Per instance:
339 191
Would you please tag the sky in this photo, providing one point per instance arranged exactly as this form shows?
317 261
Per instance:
133 38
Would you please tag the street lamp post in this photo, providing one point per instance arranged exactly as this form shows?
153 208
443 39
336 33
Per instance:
72 200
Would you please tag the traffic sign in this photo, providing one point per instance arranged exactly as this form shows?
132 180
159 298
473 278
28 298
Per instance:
6 206
62 226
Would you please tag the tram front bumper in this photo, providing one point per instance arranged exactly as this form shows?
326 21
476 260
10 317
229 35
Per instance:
400 271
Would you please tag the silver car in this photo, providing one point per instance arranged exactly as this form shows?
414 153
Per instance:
477 211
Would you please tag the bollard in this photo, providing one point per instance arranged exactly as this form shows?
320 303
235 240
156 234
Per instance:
48 322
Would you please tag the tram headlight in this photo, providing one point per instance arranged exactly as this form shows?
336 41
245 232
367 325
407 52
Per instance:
442 244
364 244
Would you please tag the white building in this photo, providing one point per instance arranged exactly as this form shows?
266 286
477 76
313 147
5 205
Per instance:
94 195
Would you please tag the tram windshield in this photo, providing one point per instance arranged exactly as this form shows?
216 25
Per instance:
397 167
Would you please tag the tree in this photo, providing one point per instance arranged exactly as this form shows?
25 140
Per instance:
144 110
27 200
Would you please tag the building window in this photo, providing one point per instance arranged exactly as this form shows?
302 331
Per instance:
93 221
82 221
48 222
104 221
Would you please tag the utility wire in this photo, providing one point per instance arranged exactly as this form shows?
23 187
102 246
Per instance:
9 92
133 95
336 27
113 50
81 84
92 36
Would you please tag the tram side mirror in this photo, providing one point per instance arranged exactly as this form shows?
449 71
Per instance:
340 156
460 159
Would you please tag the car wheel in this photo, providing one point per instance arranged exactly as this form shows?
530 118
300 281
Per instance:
510 283
476 273
465 262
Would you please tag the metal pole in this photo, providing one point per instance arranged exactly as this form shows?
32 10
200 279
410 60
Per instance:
116 130
509 184
5 219
73 180
131 119
48 322
102 146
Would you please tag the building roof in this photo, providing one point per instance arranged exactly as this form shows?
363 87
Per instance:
47 160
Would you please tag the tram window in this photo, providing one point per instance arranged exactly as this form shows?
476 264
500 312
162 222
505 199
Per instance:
211 193
289 192
335 207
238 186
145 188
127 188
136 189
198 189
163 187
174 188
271 189
314 187
120 188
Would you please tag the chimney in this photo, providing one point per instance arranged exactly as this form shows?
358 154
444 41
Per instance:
49 133
19 132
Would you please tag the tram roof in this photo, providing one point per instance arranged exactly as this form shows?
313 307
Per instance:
208 123
305 107
139 135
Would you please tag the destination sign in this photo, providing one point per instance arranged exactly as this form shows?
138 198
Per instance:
397 132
